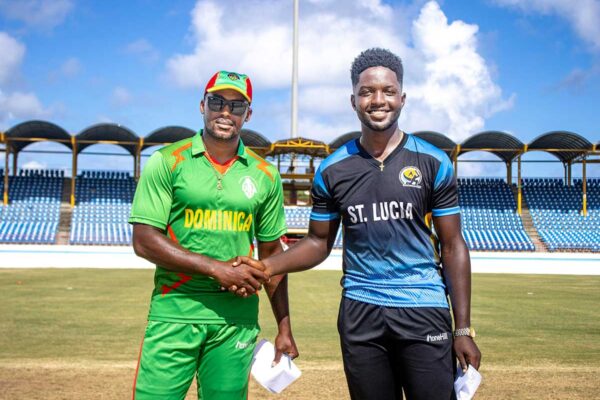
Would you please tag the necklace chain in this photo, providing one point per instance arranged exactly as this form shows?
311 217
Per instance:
220 176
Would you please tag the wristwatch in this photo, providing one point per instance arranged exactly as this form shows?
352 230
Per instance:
468 331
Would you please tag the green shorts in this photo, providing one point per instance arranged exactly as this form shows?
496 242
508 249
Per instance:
172 354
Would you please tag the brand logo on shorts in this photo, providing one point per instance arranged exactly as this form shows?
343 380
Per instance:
411 177
248 187
437 338
240 346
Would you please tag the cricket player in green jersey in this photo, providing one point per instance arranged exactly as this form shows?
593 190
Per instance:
199 204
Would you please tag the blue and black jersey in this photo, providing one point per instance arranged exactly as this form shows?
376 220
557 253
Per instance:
391 256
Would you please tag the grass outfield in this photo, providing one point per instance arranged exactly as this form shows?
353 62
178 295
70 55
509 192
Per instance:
75 334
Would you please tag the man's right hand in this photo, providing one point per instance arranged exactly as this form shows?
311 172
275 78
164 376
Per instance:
243 276
247 262
251 262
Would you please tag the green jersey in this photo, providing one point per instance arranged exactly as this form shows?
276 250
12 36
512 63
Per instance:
211 213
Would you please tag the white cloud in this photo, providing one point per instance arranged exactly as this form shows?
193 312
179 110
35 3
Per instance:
325 99
583 15
121 97
12 56
457 91
15 104
68 69
474 169
34 165
104 119
71 67
143 49
19 105
325 131
329 41
448 82
42 14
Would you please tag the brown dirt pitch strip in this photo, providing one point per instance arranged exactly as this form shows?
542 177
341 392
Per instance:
94 380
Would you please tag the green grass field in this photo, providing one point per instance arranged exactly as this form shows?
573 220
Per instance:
75 334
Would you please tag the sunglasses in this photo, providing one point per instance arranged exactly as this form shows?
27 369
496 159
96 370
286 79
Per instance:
236 107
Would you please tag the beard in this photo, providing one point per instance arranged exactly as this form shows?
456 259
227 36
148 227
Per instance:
220 135
379 126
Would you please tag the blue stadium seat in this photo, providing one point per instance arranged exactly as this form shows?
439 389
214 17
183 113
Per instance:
297 217
489 217
556 212
103 205
33 212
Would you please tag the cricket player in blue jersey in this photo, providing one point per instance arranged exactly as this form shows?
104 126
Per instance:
386 188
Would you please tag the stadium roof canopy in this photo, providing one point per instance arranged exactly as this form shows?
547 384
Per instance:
345 138
566 146
505 146
254 139
314 148
29 132
167 135
108 134
438 140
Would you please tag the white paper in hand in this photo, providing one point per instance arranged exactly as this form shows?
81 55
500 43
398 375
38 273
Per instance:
276 378
466 383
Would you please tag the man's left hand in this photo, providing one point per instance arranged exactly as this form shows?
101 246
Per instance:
467 352
284 343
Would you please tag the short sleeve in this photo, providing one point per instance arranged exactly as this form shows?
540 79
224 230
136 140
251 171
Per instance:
271 216
154 194
324 208
445 192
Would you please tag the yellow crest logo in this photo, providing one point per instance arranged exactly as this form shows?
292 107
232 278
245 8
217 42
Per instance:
233 77
411 177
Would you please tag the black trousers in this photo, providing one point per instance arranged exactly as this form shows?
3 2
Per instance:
388 351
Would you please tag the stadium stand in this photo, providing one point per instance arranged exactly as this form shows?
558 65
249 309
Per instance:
488 209
556 212
33 212
297 217
104 202
489 217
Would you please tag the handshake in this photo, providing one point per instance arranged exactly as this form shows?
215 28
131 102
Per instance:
243 276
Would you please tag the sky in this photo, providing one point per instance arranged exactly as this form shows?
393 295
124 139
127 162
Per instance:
522 67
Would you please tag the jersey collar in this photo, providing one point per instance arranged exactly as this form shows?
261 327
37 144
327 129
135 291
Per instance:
389 157
198 146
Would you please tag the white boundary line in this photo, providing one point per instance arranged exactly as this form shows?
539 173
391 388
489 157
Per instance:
54 256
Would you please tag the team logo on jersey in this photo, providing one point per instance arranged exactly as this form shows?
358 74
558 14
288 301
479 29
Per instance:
233 77
411 177
248 187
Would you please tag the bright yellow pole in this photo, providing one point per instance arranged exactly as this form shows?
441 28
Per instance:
519 209
457 150
138 157
584 188
73 170
6 154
